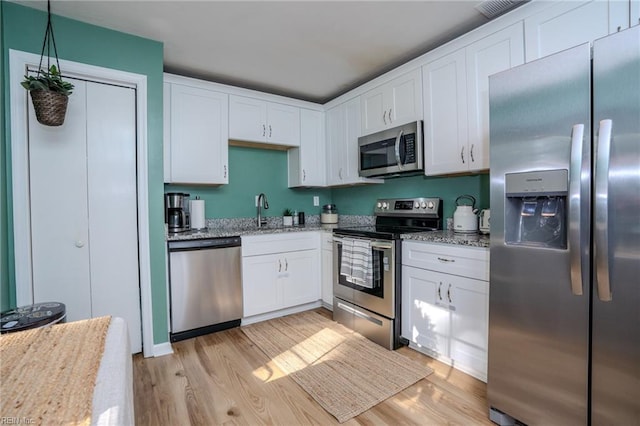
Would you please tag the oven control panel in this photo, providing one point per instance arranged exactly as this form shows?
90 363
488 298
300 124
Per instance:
408 206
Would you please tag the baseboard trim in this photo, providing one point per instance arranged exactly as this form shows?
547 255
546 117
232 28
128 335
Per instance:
162 349
280 313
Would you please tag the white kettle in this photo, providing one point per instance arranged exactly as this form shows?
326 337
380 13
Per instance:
465 219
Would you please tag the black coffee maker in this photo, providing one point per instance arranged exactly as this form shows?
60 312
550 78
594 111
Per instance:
176 211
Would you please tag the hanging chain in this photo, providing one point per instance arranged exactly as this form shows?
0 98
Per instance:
46 43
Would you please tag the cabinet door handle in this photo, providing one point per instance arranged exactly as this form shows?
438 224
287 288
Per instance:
471 154
279 265
264 130
449 293
225 171
384 118
304 175
390 119
340 173
286 265
442 259
462 154
269 130
439 293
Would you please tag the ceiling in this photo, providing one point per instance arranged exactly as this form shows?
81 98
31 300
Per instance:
310 50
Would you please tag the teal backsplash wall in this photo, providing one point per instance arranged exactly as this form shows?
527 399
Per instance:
360 199
23 29
252 171
5 298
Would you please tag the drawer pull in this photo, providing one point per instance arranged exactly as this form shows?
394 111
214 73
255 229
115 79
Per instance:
442 259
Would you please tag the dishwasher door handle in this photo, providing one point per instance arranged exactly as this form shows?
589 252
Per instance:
204 244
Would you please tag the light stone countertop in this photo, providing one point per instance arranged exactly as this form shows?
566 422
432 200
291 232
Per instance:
450 237
240 231
234 227
219 228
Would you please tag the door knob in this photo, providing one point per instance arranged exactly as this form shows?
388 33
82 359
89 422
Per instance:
79 243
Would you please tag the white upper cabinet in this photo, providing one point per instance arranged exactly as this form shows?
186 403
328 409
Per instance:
392 104
456 101
492 54
445 113
307 163
255 120
634 10
195 134
343 130
568 24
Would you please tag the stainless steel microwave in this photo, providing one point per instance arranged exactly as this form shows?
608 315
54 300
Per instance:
391 152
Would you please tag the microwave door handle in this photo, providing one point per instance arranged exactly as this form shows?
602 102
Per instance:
398 148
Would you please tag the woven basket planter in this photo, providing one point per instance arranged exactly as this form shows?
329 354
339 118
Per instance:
50 107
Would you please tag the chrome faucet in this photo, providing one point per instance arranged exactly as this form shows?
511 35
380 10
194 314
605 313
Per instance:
262 199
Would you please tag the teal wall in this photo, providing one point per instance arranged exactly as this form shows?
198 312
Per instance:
5 298
23 29
252 171
361 199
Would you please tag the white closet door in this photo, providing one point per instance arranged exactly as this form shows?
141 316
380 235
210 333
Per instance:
59 222
113 216
84 219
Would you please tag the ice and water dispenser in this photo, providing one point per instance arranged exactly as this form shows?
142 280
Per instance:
536 208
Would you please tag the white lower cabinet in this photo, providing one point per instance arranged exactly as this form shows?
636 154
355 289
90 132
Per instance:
260 286
327 269
279 271
446 316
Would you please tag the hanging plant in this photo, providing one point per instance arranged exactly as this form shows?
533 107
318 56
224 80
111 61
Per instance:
49 93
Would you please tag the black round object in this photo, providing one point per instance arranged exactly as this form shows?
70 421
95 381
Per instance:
32 316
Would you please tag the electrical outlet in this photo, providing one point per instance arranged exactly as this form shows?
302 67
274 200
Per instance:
316 200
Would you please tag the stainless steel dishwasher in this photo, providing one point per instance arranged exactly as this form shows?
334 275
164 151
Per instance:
205 286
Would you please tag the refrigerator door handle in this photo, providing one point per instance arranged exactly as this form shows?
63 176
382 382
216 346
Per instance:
576 227
601 240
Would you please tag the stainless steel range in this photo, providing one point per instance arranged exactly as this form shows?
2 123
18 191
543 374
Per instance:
366 266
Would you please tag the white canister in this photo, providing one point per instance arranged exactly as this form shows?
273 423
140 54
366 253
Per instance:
329 214
196 214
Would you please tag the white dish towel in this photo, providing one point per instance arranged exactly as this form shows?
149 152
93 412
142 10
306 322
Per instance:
357 262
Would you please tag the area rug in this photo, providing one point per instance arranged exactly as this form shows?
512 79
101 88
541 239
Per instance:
344 372
48 374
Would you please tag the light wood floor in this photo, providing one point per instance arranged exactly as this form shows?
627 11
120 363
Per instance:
222 378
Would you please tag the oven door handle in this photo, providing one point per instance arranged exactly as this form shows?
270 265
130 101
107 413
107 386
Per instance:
378 245
381 246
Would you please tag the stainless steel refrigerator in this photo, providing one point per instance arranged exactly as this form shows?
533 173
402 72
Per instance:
564 316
